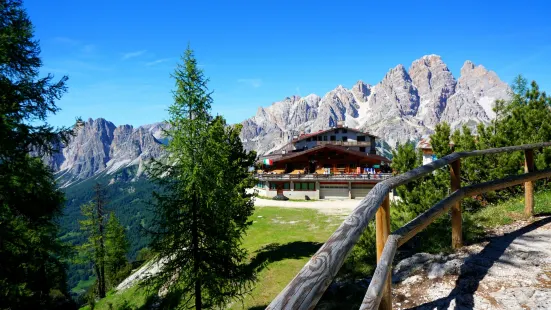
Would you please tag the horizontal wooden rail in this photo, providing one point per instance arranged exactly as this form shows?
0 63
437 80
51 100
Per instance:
402 235
307 287
323 177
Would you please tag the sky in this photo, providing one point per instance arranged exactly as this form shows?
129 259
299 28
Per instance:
119 55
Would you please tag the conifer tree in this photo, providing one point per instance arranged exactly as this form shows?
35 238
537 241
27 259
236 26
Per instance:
202 210
93 227
31 267
116 248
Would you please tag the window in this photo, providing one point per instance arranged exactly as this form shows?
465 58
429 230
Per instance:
308 139
324 138
273 186
305 186
286 186
353 166
344 138
344 130
362 149
336 131
341 166
361 138
333 138
319 138
260 184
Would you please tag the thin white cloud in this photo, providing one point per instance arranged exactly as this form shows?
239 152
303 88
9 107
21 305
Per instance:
65 40
256 83
133 54
156 62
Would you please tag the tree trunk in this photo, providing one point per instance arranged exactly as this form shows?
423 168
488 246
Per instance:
196 258
99 209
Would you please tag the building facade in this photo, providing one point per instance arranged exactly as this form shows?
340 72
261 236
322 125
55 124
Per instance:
336 163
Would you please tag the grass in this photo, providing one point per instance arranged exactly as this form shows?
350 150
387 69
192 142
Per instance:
281 240
512 210
82 285
132 298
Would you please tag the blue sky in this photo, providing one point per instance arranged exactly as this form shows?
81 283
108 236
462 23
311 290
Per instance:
119 54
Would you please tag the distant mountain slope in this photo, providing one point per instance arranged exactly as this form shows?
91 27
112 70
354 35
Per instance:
100 146
405 105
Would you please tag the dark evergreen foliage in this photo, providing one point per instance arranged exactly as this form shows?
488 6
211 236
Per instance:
202 210
32 272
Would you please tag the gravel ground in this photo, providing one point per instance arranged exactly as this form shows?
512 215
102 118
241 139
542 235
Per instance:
511 270
338 207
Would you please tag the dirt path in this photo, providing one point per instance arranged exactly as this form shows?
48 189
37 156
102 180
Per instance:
511 270
340 207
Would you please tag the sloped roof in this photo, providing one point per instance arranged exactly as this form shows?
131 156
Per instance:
337 148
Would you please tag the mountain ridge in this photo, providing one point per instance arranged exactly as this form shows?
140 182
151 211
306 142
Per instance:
405 105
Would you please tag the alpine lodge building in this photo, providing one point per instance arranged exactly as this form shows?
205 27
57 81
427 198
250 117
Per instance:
337 163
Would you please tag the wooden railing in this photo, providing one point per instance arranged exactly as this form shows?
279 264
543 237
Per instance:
345 143
321 177
305 290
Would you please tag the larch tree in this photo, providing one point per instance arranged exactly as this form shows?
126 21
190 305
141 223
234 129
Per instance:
32 272
203 208
116 249
93 228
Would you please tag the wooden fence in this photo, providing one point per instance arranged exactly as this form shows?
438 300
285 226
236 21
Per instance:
308 286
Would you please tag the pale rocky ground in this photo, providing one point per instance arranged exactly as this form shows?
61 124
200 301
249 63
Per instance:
512 270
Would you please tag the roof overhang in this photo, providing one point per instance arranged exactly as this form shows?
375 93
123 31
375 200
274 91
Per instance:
336 148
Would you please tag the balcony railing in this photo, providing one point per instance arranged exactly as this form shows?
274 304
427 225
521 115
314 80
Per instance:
345 143
325 177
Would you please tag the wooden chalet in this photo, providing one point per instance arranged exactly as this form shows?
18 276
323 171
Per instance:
335 163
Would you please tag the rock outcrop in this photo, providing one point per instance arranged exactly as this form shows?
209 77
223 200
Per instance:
100 146
511 270
405 105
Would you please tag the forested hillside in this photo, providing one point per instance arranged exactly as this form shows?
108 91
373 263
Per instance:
129 198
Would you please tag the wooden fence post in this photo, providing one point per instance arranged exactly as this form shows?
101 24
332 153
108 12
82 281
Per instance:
382 226
529 186
457 221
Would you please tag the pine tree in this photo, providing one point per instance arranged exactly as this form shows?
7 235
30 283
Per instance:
32 271
93 227
203 209
116 248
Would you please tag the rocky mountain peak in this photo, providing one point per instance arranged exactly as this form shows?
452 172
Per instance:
361 90
398 72
483 84
435 84
467 67
101 147
405 105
